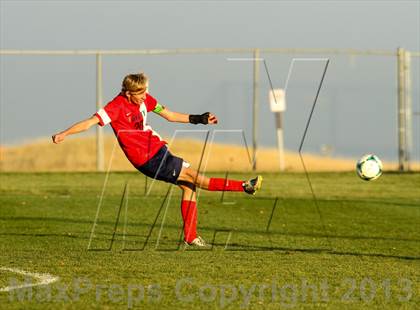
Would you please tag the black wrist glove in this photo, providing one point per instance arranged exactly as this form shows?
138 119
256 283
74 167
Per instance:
200 119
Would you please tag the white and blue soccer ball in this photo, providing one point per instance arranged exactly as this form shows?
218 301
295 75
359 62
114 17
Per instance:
369 167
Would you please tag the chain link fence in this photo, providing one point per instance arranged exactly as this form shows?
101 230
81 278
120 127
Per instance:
368 103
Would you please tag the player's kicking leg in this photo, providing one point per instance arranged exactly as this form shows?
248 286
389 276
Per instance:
220 184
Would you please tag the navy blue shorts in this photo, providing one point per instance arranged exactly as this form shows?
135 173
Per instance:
163 166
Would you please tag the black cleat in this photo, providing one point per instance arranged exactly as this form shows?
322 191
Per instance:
251 186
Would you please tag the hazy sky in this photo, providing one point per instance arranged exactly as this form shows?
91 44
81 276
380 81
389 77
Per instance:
40 95
170 24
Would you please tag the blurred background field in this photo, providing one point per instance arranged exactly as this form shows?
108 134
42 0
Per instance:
79 154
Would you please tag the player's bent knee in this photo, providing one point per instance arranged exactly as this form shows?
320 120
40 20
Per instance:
185 175
186 184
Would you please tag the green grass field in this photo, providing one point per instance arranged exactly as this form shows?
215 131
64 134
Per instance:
357 245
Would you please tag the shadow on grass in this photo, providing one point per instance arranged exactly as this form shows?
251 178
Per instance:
202 228
84 235
234 247
242 247
370 201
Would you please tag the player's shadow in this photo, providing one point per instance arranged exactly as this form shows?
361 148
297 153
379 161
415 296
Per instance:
249 248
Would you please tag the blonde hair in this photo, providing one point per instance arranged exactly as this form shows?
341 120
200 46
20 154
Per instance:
135 82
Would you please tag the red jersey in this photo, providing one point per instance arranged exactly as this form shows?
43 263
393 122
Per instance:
129 122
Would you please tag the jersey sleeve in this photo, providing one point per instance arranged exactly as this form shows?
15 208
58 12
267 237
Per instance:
108 114
150 103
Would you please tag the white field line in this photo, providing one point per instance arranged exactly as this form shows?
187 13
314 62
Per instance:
43 279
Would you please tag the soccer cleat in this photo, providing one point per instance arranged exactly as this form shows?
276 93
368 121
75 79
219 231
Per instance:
251 186
197 243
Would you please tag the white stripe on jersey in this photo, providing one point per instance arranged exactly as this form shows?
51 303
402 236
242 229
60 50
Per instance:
154 133
143 111
104 116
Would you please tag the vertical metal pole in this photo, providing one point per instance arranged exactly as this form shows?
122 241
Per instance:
401 112
408 108
280 139
99 130
255 108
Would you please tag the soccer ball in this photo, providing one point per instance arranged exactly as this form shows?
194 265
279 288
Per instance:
369 167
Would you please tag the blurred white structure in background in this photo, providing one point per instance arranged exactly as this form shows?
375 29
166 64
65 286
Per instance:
277 99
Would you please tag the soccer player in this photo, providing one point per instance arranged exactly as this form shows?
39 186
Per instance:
148 153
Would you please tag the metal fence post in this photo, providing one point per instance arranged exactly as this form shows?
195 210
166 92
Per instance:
402 143
408 108
255 108
99 130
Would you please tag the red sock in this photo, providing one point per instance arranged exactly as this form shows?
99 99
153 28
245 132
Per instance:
189 215
219 184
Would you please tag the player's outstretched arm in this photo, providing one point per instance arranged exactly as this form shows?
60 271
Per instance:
171 116
76 128
205 118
